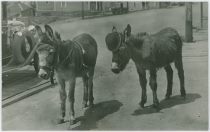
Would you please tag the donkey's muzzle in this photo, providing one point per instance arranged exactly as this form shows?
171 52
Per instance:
43 74
115 69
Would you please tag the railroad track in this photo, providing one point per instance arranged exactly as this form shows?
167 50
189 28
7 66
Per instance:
26 93
5 60
18 84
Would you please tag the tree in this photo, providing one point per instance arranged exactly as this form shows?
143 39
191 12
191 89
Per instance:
188 23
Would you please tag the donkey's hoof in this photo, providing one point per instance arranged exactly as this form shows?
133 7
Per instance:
183 96
142 104
72 122
60 121
157 107
91 105
183 93
84 105
167 97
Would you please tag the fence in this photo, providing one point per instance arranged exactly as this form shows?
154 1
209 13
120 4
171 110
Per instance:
200 15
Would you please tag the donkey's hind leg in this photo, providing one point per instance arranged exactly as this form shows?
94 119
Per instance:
169 73
90 87
153 85
72 83
85 94
179 66
143 83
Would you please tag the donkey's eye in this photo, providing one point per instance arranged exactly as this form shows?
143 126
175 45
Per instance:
51 50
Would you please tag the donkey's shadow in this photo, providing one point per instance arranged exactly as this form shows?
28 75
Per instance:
164 104
98 112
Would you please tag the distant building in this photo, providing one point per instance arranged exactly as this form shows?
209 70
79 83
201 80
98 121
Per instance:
67 7
70 8
143 5
16 9
56 8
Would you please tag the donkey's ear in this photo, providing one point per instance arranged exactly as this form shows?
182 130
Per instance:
128 30
57 36
38 30
49 32
114 29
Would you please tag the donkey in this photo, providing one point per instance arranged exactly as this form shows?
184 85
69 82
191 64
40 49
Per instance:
69 59
149 52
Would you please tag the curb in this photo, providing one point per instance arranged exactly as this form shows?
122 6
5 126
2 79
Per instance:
26 94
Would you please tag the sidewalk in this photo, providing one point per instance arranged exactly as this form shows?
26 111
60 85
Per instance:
21 83
198 48
27 79
119 95
39 111
25 82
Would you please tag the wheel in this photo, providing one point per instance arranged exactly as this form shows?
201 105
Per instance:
36 63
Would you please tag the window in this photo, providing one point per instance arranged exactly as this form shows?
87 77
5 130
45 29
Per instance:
63 4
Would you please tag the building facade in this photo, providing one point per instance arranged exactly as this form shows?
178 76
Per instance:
56 8
64 7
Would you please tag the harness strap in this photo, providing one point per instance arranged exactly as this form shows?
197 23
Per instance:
51 69
83 52
80 46
56 59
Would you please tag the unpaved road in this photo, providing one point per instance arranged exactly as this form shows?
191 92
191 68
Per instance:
117 96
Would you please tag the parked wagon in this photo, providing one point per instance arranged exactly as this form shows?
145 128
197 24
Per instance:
23 44
119 8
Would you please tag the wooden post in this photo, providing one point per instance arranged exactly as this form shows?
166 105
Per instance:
4 10
127 5
83 16
5 39
188 23
201 15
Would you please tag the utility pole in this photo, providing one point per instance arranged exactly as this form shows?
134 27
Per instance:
5 38
83 10
201 15
188 23
4 10
4 23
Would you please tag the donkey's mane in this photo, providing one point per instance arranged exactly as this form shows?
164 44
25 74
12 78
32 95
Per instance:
69 53
138 39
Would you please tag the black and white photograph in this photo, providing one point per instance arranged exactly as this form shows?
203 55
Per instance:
104 65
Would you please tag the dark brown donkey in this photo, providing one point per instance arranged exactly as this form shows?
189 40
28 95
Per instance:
70 59
149 52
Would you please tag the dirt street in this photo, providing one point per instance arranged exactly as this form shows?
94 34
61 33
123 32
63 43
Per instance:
117 96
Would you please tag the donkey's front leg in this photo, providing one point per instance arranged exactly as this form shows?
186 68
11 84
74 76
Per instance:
62 93
153 85
143 83
72 83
